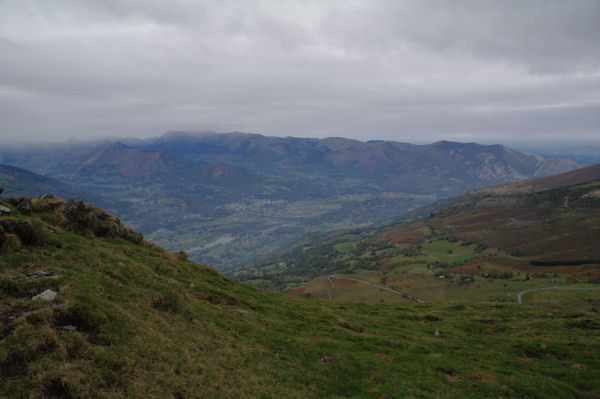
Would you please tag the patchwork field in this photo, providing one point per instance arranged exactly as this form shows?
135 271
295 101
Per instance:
487 248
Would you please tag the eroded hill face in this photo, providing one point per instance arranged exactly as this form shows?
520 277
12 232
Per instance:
89 310
574 177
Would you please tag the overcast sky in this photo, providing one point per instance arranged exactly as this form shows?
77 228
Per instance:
414 71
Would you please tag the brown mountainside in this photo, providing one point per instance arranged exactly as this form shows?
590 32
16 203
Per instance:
129 161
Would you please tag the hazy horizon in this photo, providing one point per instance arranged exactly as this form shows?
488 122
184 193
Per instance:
588 147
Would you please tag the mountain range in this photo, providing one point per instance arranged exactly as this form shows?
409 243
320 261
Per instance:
231 199
386 163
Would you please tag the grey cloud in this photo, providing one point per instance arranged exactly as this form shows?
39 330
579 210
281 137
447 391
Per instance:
406 70
545 36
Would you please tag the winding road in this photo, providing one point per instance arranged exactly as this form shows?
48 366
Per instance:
520 294
329 278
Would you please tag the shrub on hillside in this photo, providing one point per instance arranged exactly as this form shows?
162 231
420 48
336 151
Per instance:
28 232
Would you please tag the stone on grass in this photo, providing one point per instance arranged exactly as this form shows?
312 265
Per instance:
47 295
67 328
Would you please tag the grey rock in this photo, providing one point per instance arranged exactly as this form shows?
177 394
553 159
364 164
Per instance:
47 295
25 206
67 328
242 311
4 209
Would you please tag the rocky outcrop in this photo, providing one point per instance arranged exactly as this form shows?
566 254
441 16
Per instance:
23 204
82 217
76 216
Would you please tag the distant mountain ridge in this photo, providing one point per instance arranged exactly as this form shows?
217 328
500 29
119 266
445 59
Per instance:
457 166
20 182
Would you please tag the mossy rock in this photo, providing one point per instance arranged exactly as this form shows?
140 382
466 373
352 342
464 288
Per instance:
46 204
84 219
134 236
23 204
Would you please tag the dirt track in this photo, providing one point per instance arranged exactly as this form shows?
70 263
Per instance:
412 298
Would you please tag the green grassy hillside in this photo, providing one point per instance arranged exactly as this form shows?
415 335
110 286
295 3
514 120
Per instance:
131 320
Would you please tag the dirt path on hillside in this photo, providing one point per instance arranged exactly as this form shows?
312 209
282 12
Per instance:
520 294
329 278
330 287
